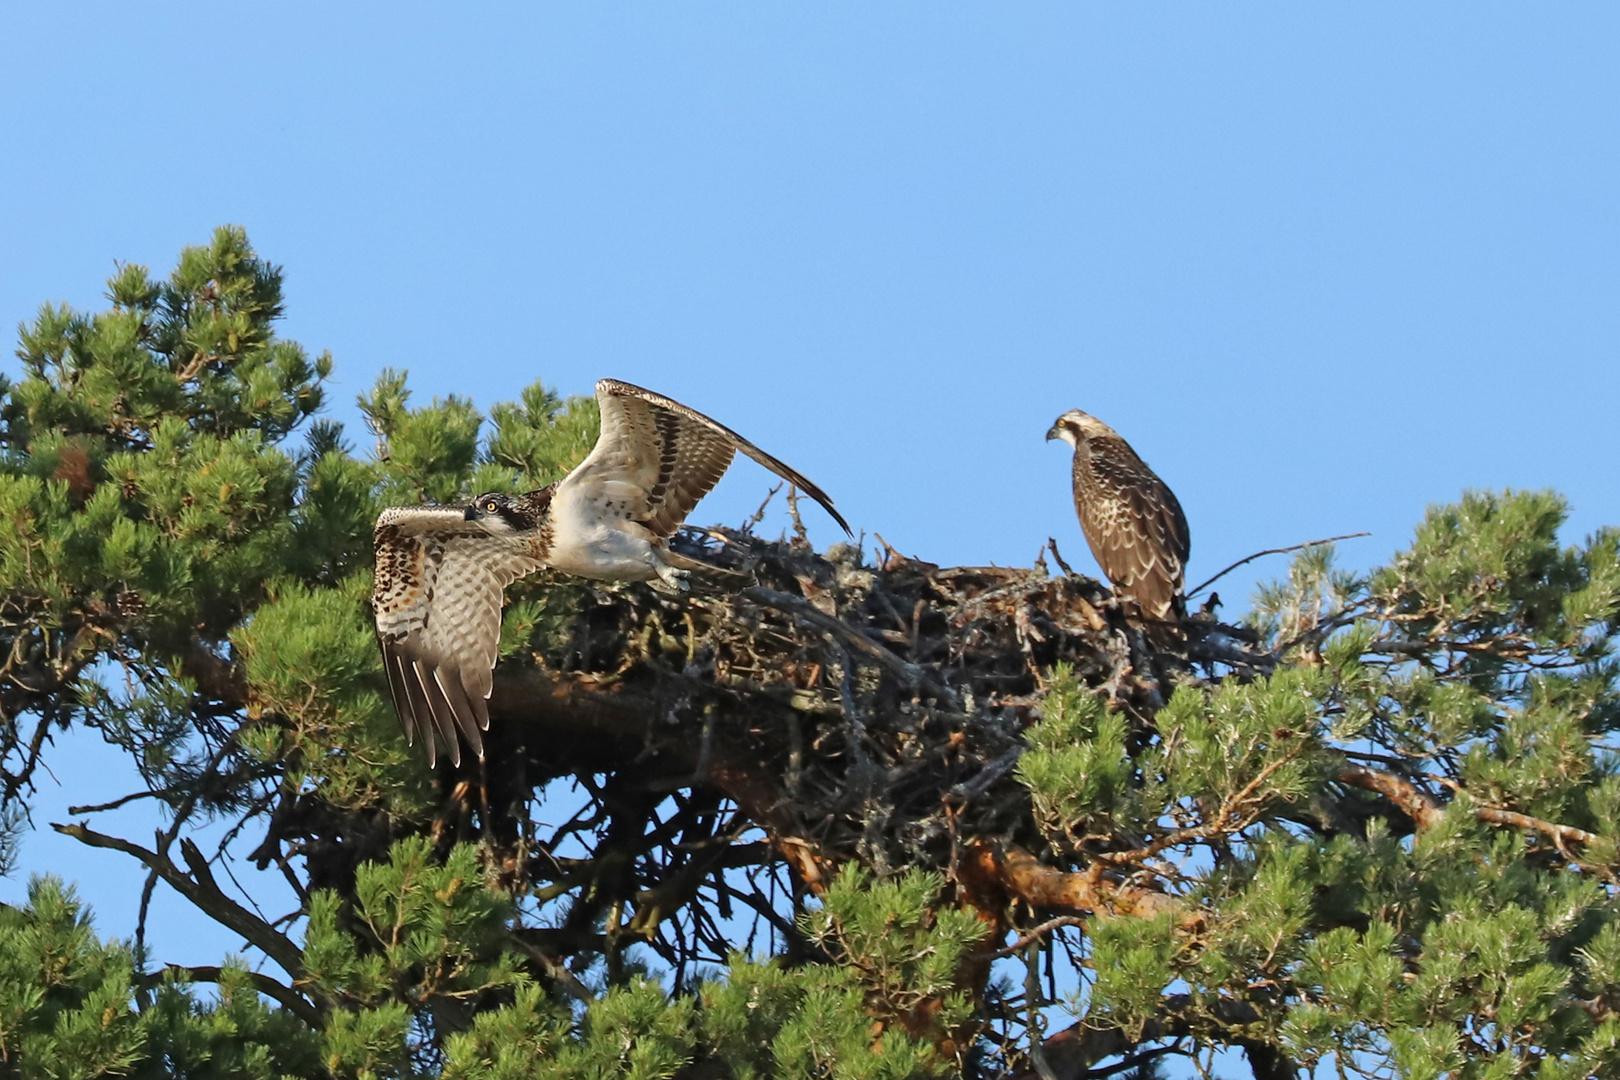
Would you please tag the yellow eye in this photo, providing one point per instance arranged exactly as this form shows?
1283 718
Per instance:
491 506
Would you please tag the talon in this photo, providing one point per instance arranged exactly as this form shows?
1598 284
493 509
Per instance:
672 582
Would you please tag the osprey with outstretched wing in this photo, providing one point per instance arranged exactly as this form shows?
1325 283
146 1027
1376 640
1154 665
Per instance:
1132 521
441 570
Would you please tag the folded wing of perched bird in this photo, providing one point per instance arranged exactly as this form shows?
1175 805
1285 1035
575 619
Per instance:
1132 521
441 570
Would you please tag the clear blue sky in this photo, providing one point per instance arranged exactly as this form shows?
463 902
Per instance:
1321 264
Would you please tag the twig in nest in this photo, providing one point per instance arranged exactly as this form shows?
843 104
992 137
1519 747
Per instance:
799 532
910 673
1271 551
979 784
889 554
759 515
860 761
1068 571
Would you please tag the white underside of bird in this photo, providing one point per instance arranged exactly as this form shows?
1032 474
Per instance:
441 570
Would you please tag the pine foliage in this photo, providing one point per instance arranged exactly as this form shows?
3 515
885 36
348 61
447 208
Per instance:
866 819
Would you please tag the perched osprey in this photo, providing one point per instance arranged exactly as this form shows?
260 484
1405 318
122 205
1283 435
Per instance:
441 569
1132 521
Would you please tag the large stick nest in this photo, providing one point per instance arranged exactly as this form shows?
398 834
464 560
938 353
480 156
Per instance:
855 712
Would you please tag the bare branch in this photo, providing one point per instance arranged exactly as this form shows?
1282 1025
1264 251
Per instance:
1029 937
1058 558
203 892
162 793
987 776
1271 551
556 969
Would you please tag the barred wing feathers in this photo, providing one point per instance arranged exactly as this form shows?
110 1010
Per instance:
671 456
437 601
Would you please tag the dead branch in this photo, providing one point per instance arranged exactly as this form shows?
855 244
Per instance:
1271 551
202 891
1057 557
992 772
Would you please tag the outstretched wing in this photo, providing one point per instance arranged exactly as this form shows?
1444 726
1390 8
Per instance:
437 601
1137 530
664 457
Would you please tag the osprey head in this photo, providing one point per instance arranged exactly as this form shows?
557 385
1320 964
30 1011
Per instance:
495 513
1075 425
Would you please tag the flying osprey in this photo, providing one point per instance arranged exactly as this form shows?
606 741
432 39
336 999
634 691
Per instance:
1132 521
441 569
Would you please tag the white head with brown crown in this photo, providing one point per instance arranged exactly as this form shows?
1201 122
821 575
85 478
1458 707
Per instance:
1074 425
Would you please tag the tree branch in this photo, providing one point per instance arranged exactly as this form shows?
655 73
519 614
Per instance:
1271 551
203 892
124 800
1072 1051
987 776
282 994
1425 812
556 969
1029 937
993 872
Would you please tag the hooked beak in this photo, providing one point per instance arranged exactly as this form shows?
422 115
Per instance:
1053 431
472 512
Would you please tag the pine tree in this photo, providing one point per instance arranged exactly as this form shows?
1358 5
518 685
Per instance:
870 817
